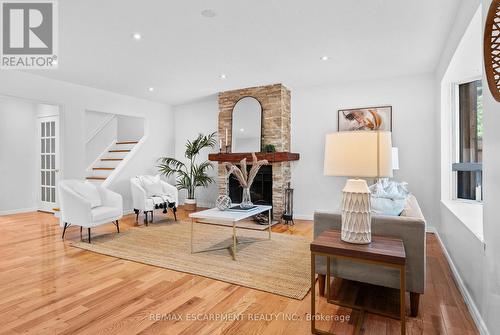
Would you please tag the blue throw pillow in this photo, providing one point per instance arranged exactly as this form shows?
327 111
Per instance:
385 206
388 197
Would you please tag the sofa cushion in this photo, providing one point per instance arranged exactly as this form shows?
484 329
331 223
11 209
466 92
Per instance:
90 192
151 185
412 209
103 213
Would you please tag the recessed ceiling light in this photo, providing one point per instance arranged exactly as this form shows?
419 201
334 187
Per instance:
242 129
151 89
223 76
324 58
209 13
136 36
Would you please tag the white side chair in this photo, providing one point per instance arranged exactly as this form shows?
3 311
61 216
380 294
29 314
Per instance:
87 205
150 193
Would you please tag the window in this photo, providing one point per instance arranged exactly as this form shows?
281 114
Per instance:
469 142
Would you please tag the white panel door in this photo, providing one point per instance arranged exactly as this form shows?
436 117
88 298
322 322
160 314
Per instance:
48 134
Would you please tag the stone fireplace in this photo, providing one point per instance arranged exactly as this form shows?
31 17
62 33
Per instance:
275 102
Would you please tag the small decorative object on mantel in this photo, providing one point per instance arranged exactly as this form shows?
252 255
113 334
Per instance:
269 148
492 49
245 179
361 154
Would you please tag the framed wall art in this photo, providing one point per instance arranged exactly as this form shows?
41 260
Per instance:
365 119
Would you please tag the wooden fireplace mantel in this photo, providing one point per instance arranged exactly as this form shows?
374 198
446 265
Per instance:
271 157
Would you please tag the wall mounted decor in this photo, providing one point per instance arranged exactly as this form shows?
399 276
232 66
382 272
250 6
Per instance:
492 49
369 118
246 127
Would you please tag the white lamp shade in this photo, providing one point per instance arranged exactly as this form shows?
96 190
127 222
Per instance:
395 159
358 154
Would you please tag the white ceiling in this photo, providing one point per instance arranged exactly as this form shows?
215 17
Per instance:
182 54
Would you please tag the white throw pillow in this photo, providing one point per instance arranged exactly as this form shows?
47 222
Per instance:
90 192
151 185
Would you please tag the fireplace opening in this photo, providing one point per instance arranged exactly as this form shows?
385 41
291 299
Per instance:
261 190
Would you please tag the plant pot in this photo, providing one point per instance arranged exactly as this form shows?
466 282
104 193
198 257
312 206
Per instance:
190 204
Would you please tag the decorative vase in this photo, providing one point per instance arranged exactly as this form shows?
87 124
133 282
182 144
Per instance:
223 202
246 201
190 204
356 212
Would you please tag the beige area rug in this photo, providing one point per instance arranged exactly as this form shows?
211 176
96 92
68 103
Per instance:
280 265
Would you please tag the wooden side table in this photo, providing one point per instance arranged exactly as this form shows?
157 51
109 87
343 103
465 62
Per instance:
383 251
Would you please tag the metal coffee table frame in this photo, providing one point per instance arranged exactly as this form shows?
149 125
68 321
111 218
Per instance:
234 218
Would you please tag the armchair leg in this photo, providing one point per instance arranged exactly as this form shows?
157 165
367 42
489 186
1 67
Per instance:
89 233
321 284
146 218
136 211
64 229
81 230
117 226
414 302
174 209
151 216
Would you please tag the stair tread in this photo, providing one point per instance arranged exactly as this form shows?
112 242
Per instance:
97 178
103 168
127 142
111 159
120 150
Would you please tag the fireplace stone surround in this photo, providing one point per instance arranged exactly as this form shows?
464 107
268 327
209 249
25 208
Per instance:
276 123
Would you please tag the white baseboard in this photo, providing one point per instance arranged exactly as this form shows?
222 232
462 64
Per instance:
469 302
308 217
18 211
429 229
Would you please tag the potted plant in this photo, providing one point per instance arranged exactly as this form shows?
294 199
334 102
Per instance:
193 175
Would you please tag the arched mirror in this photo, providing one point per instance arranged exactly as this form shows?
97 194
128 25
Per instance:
247 118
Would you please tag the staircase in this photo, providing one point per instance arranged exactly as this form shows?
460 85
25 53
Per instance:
109 160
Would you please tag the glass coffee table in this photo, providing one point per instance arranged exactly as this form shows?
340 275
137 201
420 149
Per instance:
228 218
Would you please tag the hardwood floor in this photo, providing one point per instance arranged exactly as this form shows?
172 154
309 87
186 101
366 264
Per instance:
49 287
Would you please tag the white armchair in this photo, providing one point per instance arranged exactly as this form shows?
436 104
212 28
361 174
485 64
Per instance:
150 193
87 205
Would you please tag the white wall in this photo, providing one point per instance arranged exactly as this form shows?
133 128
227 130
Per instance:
491 182
190 120
74 100
100 132
314 114
130 128
18 159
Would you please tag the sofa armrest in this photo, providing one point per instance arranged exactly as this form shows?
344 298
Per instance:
110 198
171 191
326 221
138 196
75 209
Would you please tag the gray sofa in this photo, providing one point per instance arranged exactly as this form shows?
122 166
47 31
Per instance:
409 226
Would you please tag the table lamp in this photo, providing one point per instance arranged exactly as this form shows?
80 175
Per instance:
357 154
